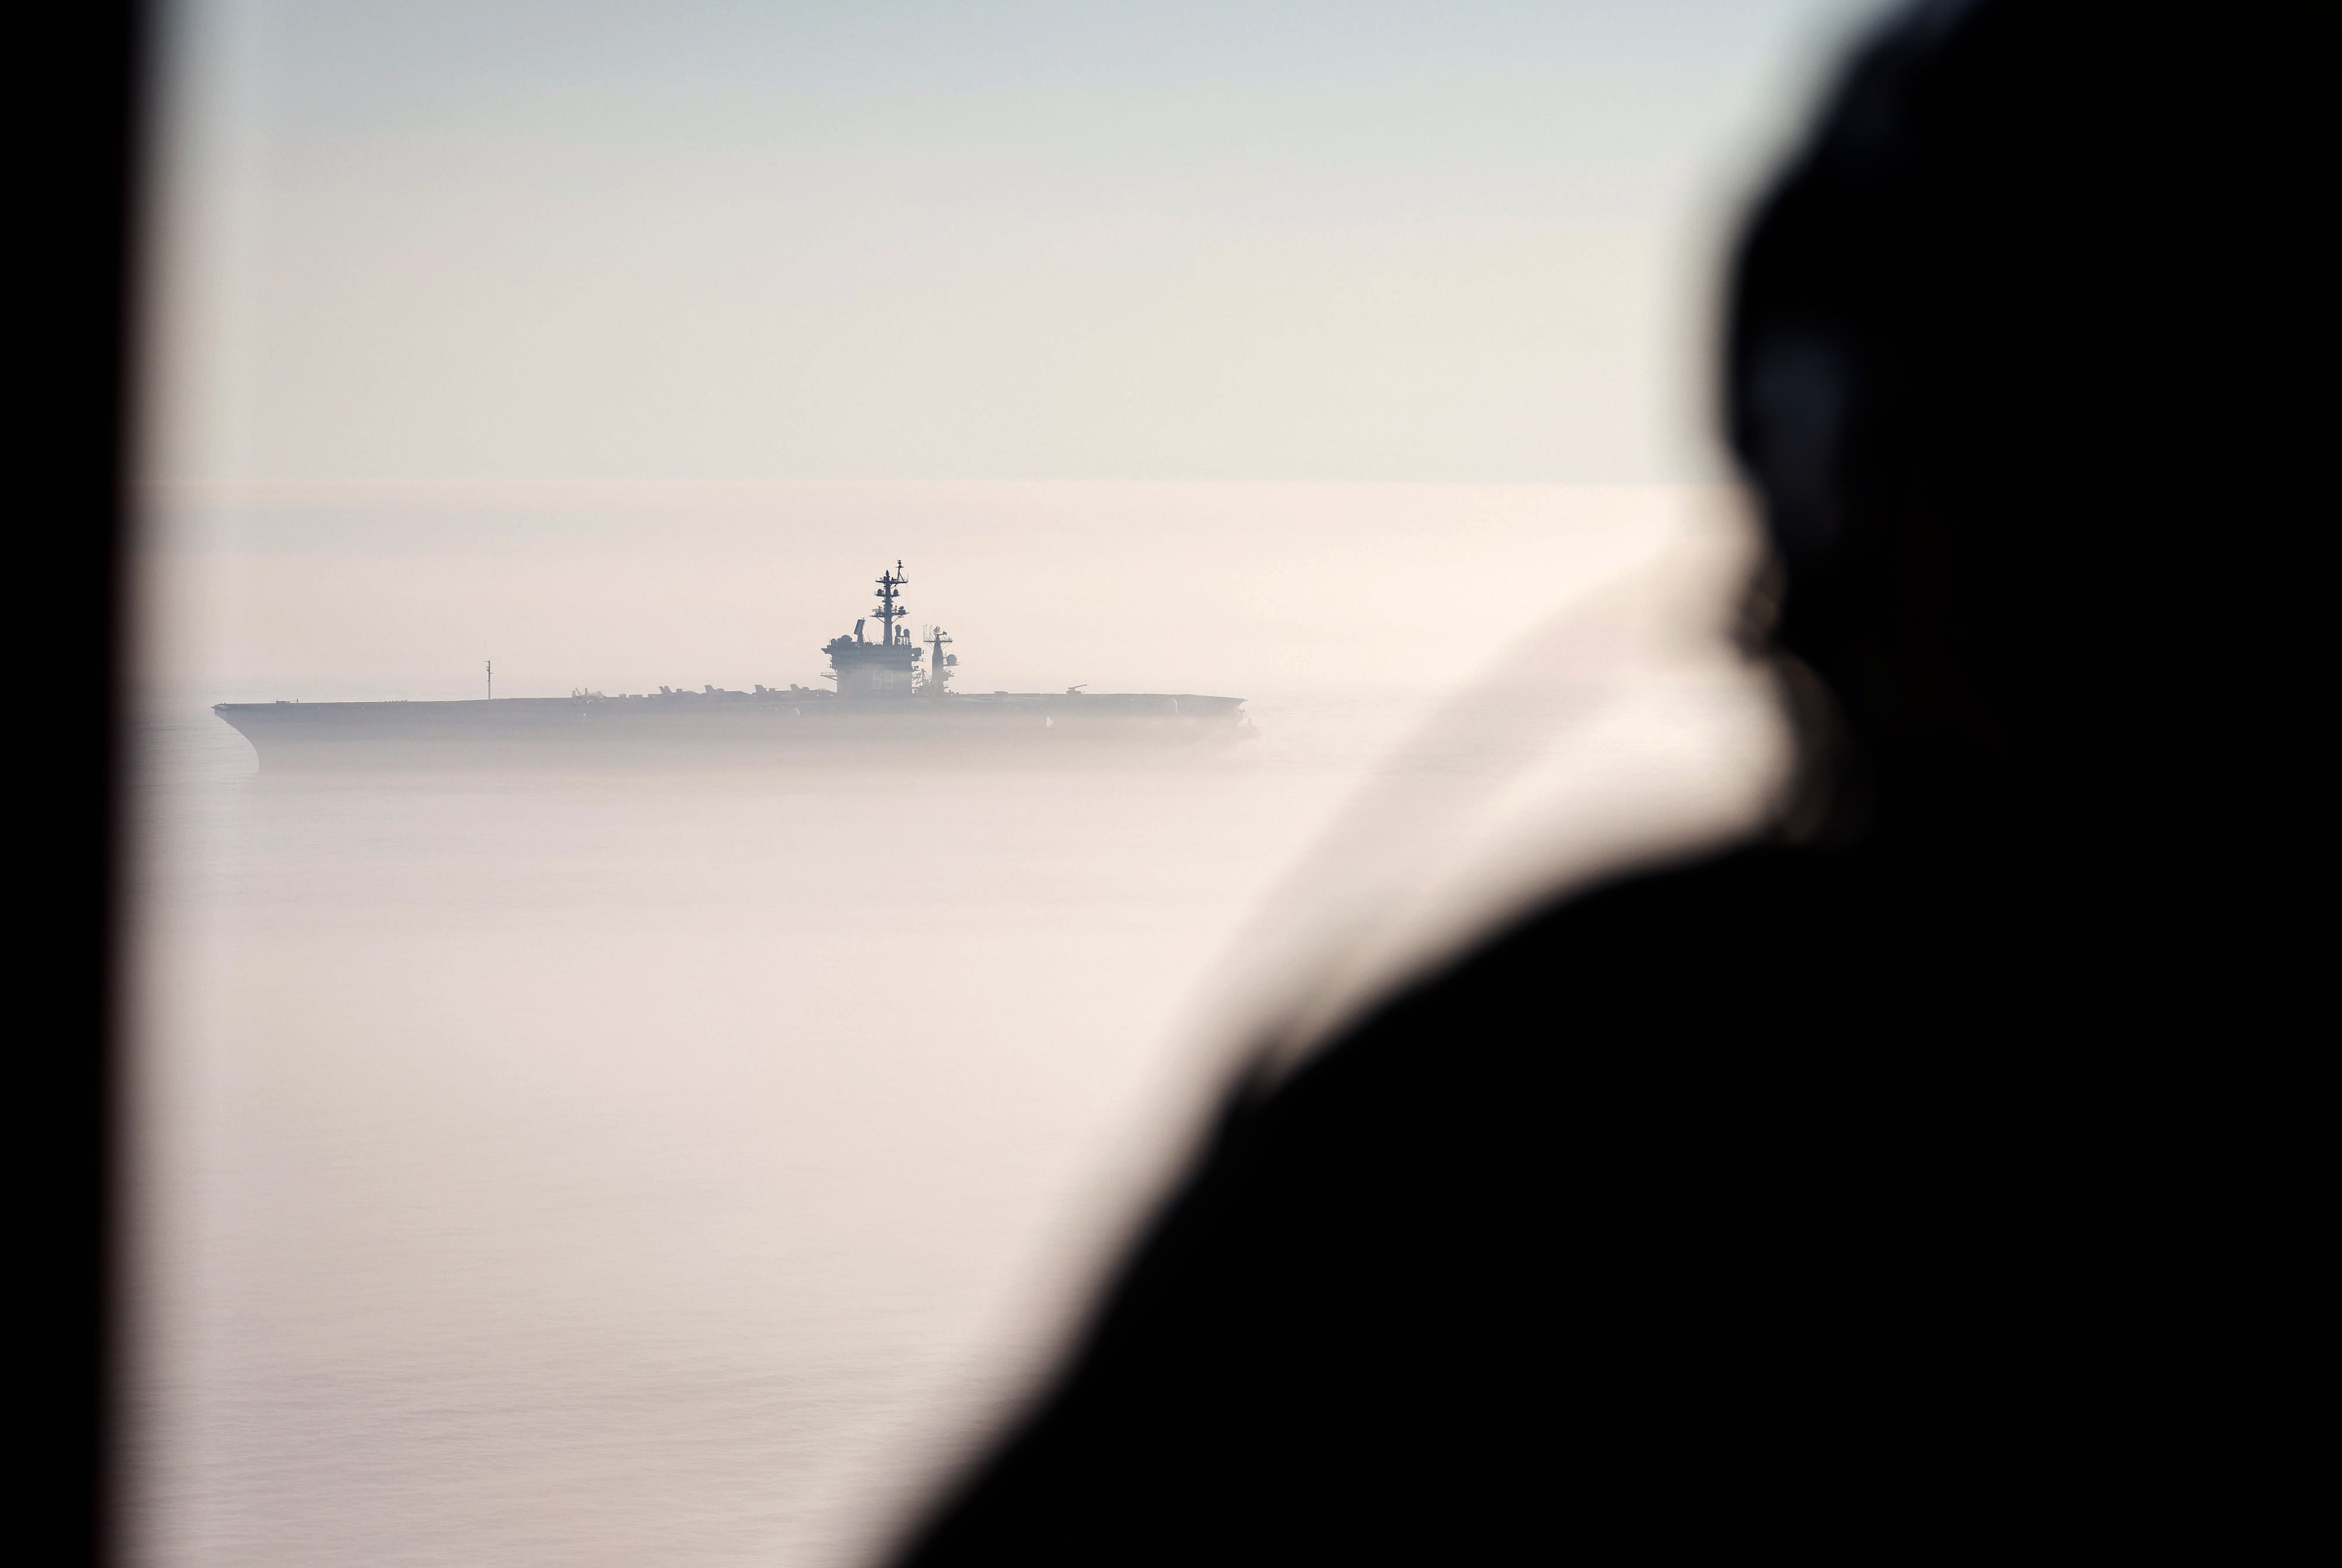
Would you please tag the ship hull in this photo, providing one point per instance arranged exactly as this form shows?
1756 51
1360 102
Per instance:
691 729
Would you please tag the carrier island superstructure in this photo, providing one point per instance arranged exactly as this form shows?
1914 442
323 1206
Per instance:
892 690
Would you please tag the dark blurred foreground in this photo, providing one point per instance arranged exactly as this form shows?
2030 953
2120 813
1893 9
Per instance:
1926 1175
79 93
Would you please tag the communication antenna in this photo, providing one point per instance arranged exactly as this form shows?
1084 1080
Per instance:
938 670
492 679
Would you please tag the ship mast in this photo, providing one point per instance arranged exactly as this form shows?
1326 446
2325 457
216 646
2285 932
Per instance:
887 665
937 671
889 611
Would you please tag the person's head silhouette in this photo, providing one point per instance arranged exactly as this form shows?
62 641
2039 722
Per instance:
2014 358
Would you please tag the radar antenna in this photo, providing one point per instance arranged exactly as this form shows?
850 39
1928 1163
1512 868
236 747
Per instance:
889 611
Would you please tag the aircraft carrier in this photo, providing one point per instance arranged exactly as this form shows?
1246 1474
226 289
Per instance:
892 692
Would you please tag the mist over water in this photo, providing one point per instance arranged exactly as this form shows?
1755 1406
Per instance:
691 1167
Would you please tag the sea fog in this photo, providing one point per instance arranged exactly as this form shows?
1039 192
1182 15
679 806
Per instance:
694 1167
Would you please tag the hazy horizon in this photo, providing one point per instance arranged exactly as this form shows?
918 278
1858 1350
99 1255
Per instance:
356 592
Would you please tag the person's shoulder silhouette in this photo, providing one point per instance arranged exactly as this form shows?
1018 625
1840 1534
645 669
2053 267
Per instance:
1819 1191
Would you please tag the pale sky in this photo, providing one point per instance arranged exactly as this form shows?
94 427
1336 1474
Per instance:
512 240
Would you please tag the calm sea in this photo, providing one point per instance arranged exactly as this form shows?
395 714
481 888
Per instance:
646 1171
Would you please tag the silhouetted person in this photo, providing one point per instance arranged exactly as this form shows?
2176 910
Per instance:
1841 1192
